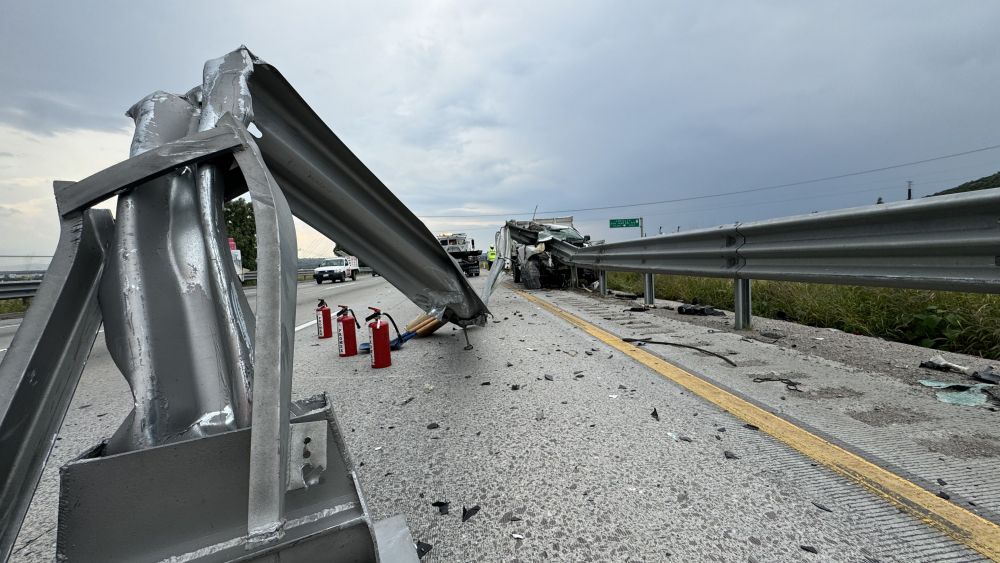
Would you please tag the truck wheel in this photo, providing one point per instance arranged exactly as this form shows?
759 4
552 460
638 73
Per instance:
517 274
319 281
354 275
531 276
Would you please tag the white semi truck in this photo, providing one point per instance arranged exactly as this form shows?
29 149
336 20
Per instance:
463 250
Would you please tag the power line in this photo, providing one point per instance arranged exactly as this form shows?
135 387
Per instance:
721 194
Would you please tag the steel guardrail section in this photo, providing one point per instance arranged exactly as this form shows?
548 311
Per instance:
329 188
705 252
39 372
949 243
19 289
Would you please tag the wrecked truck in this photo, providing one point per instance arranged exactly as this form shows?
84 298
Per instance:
538 250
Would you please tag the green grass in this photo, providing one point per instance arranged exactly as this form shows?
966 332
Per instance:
958 322
12 306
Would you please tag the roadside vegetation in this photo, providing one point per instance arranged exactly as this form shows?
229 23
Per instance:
10 306
968 323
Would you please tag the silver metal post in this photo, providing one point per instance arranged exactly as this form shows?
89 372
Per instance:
742 308
602 279
649 289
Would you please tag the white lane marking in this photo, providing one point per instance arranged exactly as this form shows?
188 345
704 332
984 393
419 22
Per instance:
305 325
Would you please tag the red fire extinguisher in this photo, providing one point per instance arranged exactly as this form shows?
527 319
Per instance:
324 324
378 336
347 339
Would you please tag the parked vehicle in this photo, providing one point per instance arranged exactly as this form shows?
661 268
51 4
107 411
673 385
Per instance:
337 269
463 250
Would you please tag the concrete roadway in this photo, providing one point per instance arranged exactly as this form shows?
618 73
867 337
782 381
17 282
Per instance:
571 465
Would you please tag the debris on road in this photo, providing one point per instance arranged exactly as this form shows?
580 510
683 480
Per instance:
423 549
959 393
699 310
809 548
517 536
789 384
485 383
655 415
549 377
730 455
515 387
749 426
644 341
986 375
469 512
433 426
510 365
613 396
940 364
441 505
686 439
406 402
820 506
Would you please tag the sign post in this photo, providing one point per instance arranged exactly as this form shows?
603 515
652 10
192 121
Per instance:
649 288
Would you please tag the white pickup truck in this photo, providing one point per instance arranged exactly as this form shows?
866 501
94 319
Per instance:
337 269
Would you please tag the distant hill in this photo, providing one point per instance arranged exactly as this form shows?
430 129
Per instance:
984 183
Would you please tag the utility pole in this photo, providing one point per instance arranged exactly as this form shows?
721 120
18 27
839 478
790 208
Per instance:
909 190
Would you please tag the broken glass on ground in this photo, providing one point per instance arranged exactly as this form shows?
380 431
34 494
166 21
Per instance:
959 393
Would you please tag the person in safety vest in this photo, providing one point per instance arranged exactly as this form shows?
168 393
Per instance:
491 256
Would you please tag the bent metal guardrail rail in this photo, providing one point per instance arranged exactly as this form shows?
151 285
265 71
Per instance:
196 429
948 243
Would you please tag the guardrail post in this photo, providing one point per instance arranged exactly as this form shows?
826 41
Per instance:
602 279
742 308
649 289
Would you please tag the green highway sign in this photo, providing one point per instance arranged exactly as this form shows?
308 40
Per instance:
620 223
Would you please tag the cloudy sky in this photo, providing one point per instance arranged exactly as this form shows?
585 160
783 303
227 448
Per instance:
473 112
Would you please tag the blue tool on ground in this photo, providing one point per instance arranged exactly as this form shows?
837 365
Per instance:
394 344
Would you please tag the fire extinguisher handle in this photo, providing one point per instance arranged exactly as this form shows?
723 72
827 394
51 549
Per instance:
372 316
355 318
393 325
321 303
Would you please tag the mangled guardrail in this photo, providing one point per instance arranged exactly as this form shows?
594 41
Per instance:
213 423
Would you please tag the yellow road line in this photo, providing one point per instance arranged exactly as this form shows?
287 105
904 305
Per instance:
964 526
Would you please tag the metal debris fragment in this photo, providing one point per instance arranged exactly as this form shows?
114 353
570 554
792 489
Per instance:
423 549
643 341
820 506
655 415
789 384
469 512
441 505
549 377
809 548
433 426
730 455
